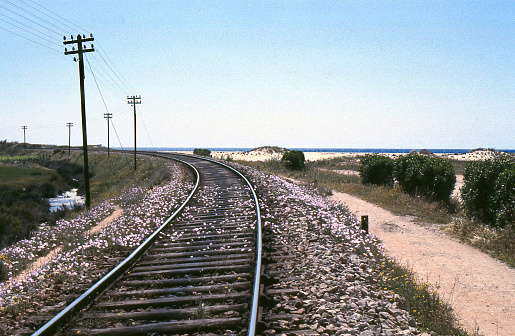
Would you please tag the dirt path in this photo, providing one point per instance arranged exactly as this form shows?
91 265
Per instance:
479 288
50 255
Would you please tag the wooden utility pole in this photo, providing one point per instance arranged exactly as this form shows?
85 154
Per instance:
24 128
69 125
133 100
108 116
81 49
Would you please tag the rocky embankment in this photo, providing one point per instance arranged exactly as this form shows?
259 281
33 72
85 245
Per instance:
339 286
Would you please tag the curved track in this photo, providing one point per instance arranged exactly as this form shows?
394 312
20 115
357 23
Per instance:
197 272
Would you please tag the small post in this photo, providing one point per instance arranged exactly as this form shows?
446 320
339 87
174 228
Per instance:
364 223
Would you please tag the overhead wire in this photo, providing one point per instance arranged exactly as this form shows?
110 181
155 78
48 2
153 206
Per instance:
43 18
117 73
57 15
30 20
33 14
105 105
31 40
145 126
37 24
112 123
26 30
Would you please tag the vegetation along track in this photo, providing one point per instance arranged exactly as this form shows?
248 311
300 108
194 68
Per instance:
197 272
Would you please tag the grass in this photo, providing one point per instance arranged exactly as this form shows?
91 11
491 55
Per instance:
498 242
17 158
399 203
113 176
21 177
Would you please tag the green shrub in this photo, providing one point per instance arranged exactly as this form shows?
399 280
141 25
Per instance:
377 169
425 176
488 190
202 152
504 198
293 160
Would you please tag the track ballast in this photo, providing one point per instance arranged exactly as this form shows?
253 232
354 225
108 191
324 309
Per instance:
197 276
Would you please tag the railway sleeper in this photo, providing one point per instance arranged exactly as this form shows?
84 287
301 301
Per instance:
185 281
226 251
172 265
200 235
172 301
215 227
164 327
196 247
159 261
167 314
190 271
201 241
181 290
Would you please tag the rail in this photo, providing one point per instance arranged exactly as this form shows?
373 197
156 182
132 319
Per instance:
257 278
51 326
65 315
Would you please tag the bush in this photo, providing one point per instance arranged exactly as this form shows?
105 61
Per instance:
488 191
293 160
377 169
426 176
202 152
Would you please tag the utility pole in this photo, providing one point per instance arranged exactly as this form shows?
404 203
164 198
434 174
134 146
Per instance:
69 125
81 49
24 128
108 116
133 100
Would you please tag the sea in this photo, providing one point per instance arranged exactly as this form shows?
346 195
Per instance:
325 150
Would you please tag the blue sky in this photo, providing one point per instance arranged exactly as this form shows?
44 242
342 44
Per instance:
386 74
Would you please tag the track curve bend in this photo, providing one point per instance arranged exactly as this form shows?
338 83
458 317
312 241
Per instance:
197 272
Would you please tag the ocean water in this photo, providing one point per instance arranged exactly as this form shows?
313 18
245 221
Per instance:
328 150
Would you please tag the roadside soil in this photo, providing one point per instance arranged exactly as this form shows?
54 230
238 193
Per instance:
480 289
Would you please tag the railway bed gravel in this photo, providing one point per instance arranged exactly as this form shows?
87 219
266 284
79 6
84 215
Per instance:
328 285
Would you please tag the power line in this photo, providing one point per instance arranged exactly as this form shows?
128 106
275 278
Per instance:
60 17
24 17
28 39
112 123
45 18
120 77
33 14
108 78
145 127
28 31
100 92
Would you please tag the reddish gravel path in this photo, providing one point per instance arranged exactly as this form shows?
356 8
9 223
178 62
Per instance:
480 289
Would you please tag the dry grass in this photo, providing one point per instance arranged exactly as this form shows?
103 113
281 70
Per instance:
498 242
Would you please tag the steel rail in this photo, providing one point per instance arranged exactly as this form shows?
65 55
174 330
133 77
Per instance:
51 326
257 278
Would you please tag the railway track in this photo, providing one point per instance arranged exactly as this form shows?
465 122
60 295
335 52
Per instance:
196 273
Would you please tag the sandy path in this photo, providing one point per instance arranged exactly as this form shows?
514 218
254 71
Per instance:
50 255
480 289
